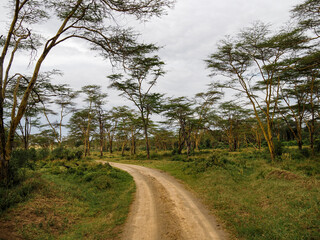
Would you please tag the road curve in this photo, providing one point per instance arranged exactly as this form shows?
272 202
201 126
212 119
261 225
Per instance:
163 209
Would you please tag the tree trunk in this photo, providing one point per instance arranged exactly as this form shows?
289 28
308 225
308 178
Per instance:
123 147
110 144
147 144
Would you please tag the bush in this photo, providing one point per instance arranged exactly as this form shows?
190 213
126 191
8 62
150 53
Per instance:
217 159
317 145
20 159
305 152
57 153
278 147
102 182
78 153
65 153
43 153
180 158
174 151
16 194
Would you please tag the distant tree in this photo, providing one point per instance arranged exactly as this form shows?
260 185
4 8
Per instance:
100 117
95 100
232 117
205 102
163 137
78 127
143 73
179 111
44 139
124 116
111 124
56 100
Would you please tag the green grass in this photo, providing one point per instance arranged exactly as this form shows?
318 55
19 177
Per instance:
77 201
251 197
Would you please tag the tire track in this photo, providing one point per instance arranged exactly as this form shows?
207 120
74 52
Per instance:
164 209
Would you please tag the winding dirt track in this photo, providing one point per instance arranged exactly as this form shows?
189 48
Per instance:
163 209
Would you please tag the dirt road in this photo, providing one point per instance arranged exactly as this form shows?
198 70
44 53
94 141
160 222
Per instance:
163 209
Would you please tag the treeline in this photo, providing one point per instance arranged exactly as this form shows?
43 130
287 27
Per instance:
273 76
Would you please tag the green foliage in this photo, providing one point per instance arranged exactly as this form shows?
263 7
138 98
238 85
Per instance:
181 158
20 160
317 145
43 153
84 200
285 202
9 196
278 147
306 152
66 153
57 153
174 151
98 176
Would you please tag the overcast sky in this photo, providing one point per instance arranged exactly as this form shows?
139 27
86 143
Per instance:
188 33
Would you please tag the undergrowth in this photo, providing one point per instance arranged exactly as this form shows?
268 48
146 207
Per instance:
66 200
253 197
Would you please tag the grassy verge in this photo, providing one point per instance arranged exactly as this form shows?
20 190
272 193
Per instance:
253 198
72 200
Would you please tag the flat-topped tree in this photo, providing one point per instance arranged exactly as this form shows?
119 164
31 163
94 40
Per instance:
78 128
142 74
180 112
91 20
249 63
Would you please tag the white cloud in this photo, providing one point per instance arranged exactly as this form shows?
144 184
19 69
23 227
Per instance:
189 33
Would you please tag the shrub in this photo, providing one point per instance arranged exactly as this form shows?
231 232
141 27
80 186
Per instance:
43 153
278 147
102 182
78 153
20 159
65 153
217 159
57 153
174 151
305 152
317 145
179 158
16 194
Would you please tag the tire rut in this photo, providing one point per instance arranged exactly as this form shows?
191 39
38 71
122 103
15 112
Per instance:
164 210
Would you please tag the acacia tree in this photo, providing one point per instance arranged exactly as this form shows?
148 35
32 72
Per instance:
60 97
82 19
179 111
111 124
78 128
99 99
250 64
31 116
95 100
143 73
305 67
232 119
205 102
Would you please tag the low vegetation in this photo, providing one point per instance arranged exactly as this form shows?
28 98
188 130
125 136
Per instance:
252 197
60 199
